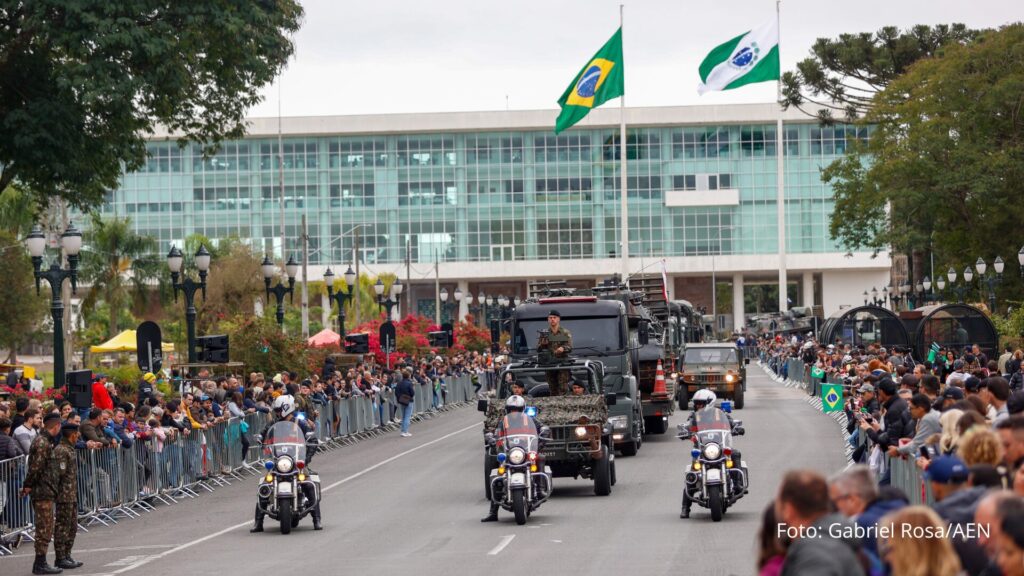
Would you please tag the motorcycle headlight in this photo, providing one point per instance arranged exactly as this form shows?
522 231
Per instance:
516 456
284 464
712 451
619 422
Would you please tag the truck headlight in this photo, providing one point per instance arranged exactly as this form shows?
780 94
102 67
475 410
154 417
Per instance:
729 378
619 422
581 431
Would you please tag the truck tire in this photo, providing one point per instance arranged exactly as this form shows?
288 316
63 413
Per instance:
630 448
737 397
684 398
603 474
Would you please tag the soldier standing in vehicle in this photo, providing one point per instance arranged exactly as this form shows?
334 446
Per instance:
66 525
41 484
558 344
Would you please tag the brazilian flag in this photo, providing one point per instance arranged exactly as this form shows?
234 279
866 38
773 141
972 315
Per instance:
600 80
831 397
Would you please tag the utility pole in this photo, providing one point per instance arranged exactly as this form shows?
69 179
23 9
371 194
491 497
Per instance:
357 285
65 296
280 167
305 280
408 276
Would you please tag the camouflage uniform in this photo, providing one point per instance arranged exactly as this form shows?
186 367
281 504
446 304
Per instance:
66 525
42 479
558 380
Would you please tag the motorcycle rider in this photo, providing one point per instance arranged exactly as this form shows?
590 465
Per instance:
704 399
284 411
515 421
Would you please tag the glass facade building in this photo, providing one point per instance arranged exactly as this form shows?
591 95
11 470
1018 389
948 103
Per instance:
497 186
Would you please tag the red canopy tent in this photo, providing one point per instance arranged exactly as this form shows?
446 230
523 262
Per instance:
325 337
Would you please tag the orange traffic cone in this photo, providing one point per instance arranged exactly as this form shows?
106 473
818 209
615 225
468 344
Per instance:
660 390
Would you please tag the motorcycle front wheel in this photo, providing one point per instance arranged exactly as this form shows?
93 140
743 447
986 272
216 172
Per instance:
284 514
519 506
715 503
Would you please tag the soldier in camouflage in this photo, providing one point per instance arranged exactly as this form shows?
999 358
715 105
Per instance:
41 483
554 346
66 525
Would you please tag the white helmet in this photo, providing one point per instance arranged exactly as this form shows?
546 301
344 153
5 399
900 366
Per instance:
515 404
704 396
284 405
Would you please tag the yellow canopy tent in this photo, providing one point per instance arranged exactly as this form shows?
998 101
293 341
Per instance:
123 342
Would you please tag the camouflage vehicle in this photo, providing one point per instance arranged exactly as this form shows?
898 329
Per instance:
717 366
600 334
581 436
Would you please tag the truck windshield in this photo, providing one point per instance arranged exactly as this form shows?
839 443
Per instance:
594 334
710 355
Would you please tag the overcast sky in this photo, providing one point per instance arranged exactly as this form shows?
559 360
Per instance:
386 56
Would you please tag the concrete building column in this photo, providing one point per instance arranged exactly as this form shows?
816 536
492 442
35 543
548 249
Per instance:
808 289
325 310
464 303
738 318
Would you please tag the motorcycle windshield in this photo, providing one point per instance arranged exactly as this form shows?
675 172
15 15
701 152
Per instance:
713 426
518 430
285 439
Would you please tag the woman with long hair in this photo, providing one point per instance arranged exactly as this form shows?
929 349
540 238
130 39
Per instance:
772 550
915 545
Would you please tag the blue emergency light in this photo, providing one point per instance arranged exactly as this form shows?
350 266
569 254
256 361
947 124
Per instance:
695 452
501 457
268 465
531 411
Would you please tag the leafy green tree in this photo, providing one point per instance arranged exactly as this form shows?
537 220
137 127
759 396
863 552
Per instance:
84 83
114 259
234 282
17 212
843 75
21 309
947 159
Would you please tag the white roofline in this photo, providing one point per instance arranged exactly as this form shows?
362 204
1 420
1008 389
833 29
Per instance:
515 120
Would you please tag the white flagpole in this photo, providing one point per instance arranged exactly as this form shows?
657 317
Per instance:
781 192
624 206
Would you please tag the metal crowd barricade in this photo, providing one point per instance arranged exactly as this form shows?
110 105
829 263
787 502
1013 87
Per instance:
906 476
193 460
15 511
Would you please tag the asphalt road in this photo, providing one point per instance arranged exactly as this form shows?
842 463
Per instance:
412 506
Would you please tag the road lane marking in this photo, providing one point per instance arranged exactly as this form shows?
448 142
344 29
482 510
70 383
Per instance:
97 550
187 545
505 541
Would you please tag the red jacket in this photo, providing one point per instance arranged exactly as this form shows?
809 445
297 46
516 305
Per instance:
100 397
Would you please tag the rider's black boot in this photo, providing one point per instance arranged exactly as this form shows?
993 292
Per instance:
492 516
258 526
316 518
41 567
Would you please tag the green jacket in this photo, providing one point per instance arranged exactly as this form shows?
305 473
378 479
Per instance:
43 472
67 467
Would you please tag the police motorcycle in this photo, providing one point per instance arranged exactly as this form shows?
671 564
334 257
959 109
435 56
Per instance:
289 491
521 482
717 477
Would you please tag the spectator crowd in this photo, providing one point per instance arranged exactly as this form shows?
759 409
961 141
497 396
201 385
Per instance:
937 481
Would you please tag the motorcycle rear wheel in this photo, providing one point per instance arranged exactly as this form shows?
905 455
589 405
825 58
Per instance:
715 503
284 514
519 506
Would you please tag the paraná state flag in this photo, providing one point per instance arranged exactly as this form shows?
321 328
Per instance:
600 80
748 58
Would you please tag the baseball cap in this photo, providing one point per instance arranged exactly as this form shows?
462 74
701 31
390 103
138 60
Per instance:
953 392
947 470
866 388
149 377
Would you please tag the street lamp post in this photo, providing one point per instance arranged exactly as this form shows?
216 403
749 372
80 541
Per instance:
480 310
444 303
188 287
874 300
340 297
392 300
279 291
960 289
940 285
990 281
71 242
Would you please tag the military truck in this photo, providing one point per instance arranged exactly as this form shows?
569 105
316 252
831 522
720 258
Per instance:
580 444
717 366
600 333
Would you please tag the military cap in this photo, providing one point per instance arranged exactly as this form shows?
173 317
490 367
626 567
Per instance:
69 427
554 313
50 417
